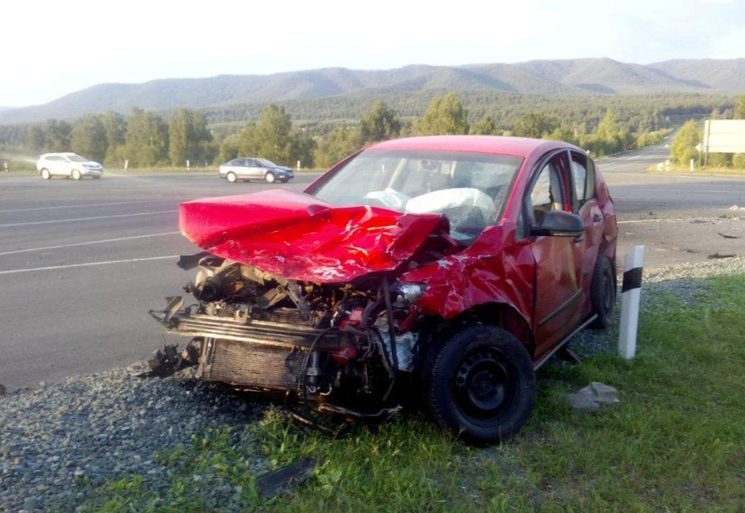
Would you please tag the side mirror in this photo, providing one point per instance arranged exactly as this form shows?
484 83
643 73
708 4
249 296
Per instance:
558 223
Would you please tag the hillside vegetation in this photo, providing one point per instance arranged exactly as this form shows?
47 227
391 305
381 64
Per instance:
558 77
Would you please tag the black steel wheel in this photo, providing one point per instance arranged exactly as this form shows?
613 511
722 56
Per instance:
603 293
481 384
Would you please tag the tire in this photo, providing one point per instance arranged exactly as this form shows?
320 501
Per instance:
480 384
270 177
230 177
45 174
75 175
603 293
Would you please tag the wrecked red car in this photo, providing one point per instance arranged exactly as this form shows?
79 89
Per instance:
448 268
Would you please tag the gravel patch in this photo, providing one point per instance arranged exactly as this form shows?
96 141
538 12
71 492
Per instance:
683 282
103 426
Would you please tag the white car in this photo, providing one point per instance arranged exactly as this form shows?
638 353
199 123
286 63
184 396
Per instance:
70 165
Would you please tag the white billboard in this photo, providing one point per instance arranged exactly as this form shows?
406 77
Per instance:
724 136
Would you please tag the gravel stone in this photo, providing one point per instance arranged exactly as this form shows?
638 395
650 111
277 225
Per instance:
102 427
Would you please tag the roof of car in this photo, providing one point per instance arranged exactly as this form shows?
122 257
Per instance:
62 154
519 146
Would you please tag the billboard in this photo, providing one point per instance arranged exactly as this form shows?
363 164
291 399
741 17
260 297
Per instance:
724 136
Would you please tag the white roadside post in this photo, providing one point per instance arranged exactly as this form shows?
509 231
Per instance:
630 295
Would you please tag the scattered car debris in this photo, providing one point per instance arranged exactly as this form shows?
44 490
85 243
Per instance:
278 481
593 397
718 255
726 236
455 264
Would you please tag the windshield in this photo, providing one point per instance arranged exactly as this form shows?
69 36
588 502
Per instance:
76 158
469 188
266 163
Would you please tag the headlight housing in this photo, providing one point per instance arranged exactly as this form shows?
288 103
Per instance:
408 293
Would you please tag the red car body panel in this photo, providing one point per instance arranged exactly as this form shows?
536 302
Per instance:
545 280
299 237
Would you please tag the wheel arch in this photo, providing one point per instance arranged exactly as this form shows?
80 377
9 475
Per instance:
502 315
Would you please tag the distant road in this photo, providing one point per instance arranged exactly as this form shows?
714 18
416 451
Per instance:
82 262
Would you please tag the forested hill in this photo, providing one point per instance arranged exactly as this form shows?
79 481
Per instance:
545 77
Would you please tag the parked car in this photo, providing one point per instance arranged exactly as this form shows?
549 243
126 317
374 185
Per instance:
452 265
254 169
70 165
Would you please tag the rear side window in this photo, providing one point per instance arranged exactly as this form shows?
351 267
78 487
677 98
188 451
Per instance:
583 179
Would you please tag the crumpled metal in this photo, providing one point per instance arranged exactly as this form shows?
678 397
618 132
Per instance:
299 237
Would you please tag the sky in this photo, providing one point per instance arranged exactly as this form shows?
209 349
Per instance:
52 48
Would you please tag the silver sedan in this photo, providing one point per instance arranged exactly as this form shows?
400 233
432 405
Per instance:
252 168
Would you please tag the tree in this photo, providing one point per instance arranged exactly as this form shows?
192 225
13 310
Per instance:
445 115
188 137
336 145
88 137
147 139
683 148
485 126
229 148
271 136
35 138
534 124
115 127
379 123
246 143
56 135
302 149
740 108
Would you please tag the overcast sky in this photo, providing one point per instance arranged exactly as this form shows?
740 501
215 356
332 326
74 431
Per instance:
52 48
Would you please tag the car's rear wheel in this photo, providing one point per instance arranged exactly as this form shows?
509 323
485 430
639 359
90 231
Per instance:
76 174
270 177
480 384
230 177
603 293
45 174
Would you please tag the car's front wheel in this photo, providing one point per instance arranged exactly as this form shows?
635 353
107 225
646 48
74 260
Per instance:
480 384
76 174
270 177
230 177
45 174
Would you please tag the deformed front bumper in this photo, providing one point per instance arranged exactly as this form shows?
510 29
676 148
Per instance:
247 353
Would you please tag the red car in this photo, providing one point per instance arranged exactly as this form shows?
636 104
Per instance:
447 267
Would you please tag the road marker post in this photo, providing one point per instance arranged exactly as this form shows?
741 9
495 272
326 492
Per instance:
630 296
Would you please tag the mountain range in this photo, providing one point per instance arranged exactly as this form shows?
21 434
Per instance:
545 77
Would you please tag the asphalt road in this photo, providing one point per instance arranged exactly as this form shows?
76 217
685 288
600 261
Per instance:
82 262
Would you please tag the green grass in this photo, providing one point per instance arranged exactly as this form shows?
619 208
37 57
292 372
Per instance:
675 443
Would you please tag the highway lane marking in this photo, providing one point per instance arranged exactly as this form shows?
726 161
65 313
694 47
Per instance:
88 264
88 243
77 206
94 218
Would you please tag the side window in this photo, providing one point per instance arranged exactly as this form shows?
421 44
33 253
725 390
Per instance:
590 182
579 179
546 193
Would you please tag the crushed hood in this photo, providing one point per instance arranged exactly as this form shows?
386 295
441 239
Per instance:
299 237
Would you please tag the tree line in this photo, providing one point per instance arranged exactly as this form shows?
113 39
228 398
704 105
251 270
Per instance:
141 139
149 139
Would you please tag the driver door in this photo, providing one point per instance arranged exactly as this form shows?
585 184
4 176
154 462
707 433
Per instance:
558 288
